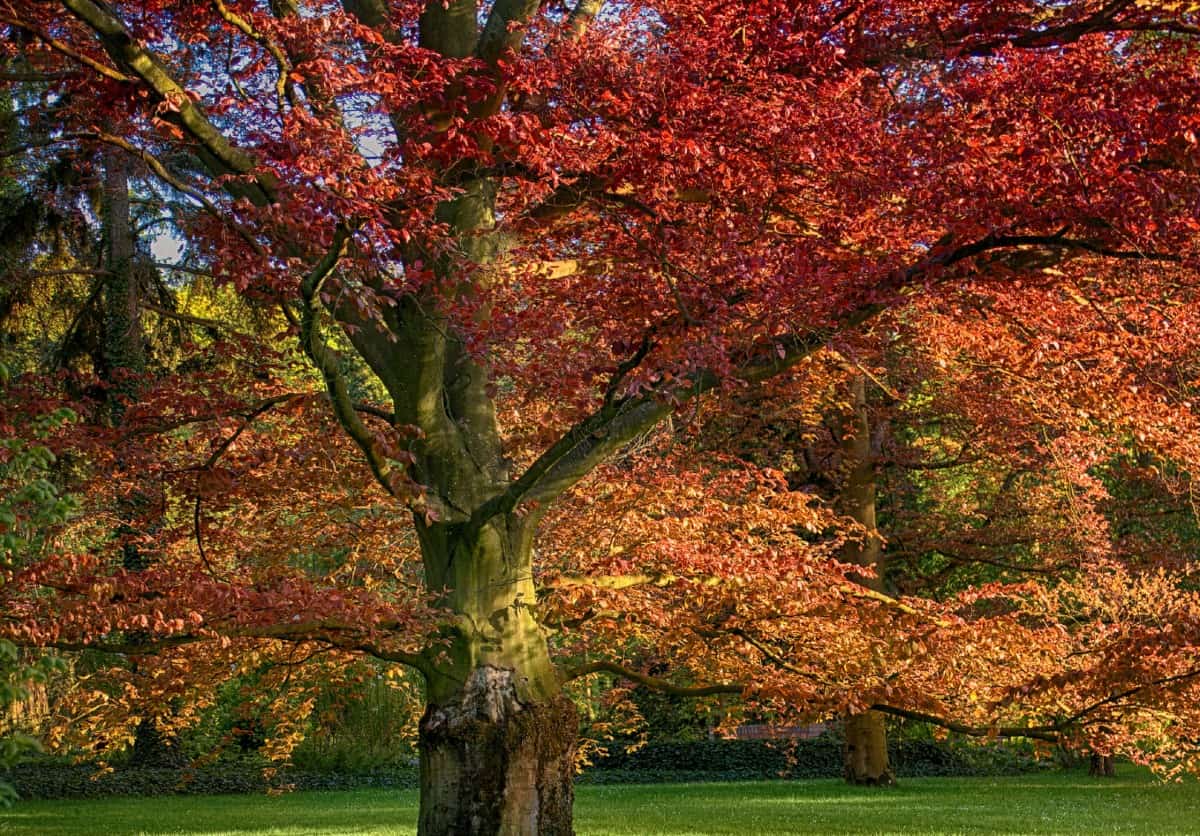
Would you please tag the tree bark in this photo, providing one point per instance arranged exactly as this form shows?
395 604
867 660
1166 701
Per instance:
153 749
123 353
865 753
493 764
1102 766
125 362
497 741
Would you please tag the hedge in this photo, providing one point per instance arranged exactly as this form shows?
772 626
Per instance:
49 781
819 758
703 760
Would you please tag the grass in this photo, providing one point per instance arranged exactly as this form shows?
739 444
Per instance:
1052 803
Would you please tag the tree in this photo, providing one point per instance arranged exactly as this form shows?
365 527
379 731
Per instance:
866 756
587 218
30 506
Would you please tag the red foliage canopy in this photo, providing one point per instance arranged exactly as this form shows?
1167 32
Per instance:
616 209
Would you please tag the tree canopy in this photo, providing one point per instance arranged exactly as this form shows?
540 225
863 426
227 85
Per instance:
467 292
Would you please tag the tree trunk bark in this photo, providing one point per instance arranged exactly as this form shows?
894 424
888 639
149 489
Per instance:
865 754
125 362
153 749
497 741
493 764
123 352
1102 766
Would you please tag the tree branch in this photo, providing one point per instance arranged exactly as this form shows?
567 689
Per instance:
60 47
297 633
328 363
1047 733
126 52
653 682
193 320
581 17
284 91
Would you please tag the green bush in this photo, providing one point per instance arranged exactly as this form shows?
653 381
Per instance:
354 727
371 728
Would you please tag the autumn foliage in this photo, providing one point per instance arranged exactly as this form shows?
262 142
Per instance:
528 339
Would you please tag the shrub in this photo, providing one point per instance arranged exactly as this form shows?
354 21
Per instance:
730 760
53 781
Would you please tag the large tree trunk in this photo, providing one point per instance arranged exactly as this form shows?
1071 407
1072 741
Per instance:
865 753
493 764
497 742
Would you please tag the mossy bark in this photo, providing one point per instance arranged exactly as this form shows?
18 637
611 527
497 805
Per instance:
125 364
497 741
124 356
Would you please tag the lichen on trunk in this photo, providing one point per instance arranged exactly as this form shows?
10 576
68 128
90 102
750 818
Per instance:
494 764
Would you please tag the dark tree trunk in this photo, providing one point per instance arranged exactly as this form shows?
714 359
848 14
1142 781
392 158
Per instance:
153 749
492 764
1101 766
125 362
123 352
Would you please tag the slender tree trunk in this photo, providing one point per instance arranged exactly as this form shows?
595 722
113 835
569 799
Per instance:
865 754
123 354
497 742
125 362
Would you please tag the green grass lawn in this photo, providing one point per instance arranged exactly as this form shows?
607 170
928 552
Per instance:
1054 803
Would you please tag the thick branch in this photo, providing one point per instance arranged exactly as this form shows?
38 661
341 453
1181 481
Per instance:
328 363
581 17
1048 733
1131 692
620 420
505 27
297 633
59 46
249 409
143 64
653 682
